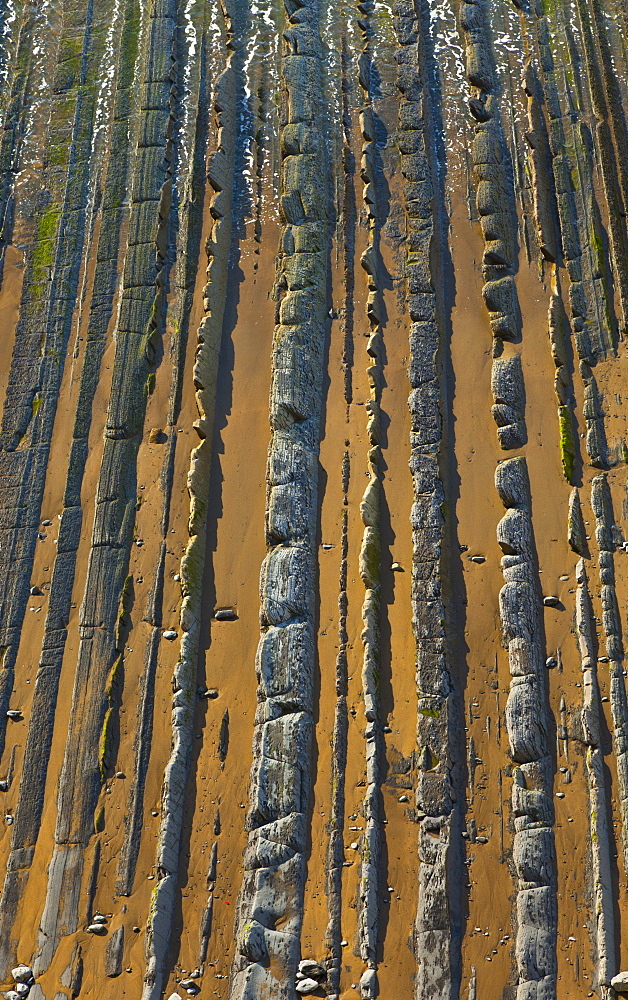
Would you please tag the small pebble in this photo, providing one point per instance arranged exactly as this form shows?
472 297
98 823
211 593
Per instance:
169 634
560 795
403 798
551 601
177 577
478 559
551 662
8 819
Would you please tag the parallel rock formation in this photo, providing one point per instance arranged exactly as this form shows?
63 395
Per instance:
527 720
313 710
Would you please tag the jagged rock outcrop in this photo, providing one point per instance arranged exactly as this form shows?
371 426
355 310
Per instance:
527 723
272 889
508 408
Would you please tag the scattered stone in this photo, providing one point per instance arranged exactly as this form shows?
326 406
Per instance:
120 774
309 967
22 989
177 577
620 983
12 995
169 634
404 798
46 523
481 840
22 973
99 918
36 592
478 559
14 713
8 819
306 986
96 929
157 436
397 567
551 601
551 662
225 615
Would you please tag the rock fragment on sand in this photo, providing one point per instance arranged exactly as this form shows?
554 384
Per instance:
620 983
169 634
312 969
225 615
305 986
97 929
576 532
22 974
115 952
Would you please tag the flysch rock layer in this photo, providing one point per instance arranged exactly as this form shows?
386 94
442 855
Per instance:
270 902
449 183
527 723
436 933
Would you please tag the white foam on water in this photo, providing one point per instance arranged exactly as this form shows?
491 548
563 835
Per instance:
449 55
6 39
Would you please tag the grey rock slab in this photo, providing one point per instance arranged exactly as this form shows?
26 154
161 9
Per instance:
114 954
22 974
306 986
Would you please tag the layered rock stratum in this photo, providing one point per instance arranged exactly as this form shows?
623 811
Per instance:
313 499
